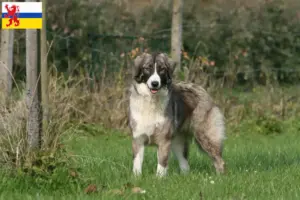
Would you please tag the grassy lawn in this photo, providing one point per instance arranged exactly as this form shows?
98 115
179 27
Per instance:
259 167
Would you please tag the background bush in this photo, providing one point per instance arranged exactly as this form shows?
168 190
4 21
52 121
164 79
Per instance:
249 41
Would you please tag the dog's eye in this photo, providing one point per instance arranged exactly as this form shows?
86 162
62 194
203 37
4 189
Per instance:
146 70
163 70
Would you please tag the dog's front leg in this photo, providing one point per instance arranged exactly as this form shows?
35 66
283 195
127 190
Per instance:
163 153
138 156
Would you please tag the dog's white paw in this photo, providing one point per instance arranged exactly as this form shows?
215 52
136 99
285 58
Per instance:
137 172
161 171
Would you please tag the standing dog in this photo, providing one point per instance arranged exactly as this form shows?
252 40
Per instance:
167 114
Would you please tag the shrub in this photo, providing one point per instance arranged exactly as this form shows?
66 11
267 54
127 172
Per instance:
250 42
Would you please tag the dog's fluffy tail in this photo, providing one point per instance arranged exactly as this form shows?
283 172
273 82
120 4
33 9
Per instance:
193 95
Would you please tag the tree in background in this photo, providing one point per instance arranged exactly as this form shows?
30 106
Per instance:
6 62
32 87
176 37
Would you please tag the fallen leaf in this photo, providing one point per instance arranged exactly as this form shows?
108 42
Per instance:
90 189
73 173
138 190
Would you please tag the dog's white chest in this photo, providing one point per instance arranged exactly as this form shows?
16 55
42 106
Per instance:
146 114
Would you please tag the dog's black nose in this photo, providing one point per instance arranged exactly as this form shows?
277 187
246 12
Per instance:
154 83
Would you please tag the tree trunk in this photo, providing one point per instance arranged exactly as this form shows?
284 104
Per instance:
176 42
32 86
44 70
6 63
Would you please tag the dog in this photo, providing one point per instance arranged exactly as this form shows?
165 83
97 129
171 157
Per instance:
169 115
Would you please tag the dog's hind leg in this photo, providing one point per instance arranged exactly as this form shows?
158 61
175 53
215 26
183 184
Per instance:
209 136
213 149
180 148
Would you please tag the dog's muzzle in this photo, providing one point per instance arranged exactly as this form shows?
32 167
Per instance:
154 87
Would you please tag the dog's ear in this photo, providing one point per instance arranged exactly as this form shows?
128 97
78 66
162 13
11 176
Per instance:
138 64
171 65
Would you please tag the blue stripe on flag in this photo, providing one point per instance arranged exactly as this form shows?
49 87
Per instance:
26 15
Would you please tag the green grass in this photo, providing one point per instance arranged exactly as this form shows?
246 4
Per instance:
259 167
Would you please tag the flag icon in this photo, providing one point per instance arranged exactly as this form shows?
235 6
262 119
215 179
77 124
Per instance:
21 15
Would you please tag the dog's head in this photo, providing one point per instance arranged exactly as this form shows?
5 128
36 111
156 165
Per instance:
154 70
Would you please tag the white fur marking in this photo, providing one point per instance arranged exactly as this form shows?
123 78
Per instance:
154 77
138 161
147 111
143 89
161 171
